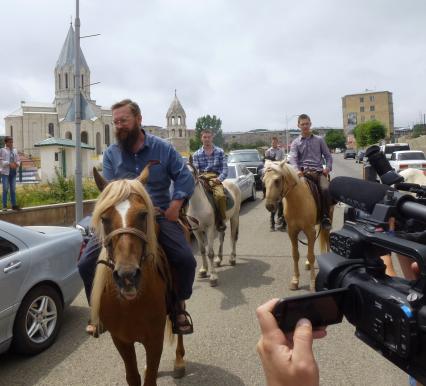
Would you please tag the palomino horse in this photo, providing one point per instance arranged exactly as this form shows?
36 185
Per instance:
133 280
201 215
300 211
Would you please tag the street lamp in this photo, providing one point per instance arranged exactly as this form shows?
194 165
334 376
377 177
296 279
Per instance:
287 119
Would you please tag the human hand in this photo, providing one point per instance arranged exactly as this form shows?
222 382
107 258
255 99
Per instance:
12 165
326 171
300 173
172 212
287 360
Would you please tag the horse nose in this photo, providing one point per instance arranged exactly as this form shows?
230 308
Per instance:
127 279
270 206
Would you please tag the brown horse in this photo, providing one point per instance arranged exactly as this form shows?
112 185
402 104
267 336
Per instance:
300 211
133 278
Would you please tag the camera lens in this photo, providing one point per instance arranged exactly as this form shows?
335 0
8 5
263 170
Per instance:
382 166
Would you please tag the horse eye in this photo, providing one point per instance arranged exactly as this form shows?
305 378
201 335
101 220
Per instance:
105 220
142 215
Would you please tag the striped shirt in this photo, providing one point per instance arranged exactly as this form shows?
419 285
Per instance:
214 162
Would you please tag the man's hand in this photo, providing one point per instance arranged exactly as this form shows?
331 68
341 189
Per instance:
287 360
172 212
326 171
300 173
12 165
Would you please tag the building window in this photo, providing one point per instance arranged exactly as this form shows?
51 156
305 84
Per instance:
66 80
11 130
372 117
82 81
107 137
56 156
51 130
68 135
362 118
372 108
371 98
180 132
179 120
173 120
361 100
84 137
361 109
98 143
59 81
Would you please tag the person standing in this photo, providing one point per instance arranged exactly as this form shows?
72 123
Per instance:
274 153
126 159
306 155
9 164
210 162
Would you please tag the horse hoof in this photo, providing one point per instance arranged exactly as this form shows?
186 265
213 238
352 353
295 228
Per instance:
202 274
294 286
213 282
179 372
307 266
217 264
232 262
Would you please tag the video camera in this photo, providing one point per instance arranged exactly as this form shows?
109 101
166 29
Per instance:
389 313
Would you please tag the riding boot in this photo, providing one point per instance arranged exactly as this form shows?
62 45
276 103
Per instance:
272 222
220 225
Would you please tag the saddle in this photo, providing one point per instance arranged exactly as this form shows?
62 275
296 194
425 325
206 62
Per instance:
312 179
229 199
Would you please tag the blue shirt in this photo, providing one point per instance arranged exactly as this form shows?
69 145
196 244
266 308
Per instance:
119 164
211 163
308 152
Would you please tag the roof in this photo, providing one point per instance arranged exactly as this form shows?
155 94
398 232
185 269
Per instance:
86 110
53 141
67 54
175 108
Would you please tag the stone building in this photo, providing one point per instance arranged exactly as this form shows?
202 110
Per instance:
359 108
32 123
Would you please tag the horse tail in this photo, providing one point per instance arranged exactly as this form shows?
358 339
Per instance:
98 288
169 331
324 237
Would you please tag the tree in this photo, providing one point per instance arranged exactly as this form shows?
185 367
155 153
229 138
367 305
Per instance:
418 130
212 123
369 133
335 139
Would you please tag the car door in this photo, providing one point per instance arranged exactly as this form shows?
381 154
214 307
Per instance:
14 267
247 186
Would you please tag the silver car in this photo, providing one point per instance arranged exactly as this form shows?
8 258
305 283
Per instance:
38 278
241 176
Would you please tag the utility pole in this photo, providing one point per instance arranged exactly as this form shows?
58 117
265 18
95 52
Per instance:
78 172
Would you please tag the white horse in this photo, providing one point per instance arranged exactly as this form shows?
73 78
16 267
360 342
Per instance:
413 176
201 215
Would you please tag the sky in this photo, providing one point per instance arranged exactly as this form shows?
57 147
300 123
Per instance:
254 64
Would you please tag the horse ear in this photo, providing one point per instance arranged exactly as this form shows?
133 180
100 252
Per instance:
143 177
190 161
101 183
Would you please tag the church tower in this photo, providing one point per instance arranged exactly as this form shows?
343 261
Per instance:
65 75
176 126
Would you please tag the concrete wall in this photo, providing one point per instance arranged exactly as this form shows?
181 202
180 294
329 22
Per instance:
55 214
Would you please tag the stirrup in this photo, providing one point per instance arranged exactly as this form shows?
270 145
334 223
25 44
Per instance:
176 325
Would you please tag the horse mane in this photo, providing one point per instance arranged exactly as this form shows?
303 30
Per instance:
282 168
114 193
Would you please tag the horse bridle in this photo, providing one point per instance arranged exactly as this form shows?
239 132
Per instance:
110 263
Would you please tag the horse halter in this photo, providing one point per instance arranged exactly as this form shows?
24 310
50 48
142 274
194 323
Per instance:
110 263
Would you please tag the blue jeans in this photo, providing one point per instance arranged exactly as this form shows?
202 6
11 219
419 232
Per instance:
177 249
9 181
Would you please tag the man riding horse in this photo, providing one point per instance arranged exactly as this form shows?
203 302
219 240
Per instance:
125 160
306 155
210 162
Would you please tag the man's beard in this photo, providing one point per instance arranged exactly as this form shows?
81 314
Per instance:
127 139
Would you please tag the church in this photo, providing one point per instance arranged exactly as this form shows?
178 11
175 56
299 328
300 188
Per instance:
34 123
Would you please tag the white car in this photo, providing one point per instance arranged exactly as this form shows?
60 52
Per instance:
244 178
401 160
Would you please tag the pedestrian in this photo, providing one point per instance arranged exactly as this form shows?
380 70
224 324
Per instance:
274 153
306 155
126 159
9 164
210 162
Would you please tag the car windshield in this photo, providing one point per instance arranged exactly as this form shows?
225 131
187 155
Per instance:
232 172
410 156
350 151
244 157
391 149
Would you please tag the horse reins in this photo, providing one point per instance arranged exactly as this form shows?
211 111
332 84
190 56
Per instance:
110 263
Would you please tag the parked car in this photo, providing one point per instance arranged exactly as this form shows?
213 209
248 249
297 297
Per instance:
38 278
401 160
241 176
360 156
252 160
349 153
389 148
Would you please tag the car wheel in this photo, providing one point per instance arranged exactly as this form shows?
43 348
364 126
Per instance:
253 193
38 320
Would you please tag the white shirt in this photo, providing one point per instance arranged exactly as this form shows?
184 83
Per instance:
6 157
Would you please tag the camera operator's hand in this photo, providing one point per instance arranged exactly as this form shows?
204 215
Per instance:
287 360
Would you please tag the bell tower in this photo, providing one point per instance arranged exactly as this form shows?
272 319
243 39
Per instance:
176 126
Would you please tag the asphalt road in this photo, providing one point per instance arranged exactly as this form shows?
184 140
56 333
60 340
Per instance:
222 349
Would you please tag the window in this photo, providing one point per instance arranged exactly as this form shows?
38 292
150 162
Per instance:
372 108
173 120
98 144
173 131
372 117
361 100
59 81
51 130
371 98
56 157
68 135
66 80
107 137
180 132
6 247
362 118
84 137
361 109
179 120
82 80
11 130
